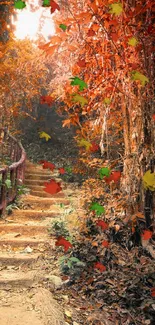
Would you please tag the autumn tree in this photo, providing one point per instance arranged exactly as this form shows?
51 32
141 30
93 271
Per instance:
108 45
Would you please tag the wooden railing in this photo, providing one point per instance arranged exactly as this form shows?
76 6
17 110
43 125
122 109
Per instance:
13 175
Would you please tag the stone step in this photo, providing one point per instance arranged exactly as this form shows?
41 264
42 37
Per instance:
22 230
18 258
38 176
17 279
44 203
37 171
34 215
7 244
40 182
45 194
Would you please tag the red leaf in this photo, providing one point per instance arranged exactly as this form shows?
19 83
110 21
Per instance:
147 234
54 6
48 165
40 162
100 267
153 292
91 32
105 243
153 116
102 224
61 241
62 171
52 187
81 63
115 176
94 147
46 100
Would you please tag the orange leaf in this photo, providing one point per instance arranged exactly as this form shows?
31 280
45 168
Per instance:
153 116
90 32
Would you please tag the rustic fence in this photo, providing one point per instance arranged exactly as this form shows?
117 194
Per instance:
13 175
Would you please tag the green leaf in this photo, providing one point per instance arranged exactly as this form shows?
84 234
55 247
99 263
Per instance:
98 208
63 27
135 75
149 180
19 4
77 98
74 259
46 3
8 183
133 41
116 8
104 171
78 82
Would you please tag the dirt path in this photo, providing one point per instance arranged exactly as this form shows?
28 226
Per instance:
24 243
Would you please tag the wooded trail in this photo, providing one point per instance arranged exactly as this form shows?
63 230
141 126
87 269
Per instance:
24 242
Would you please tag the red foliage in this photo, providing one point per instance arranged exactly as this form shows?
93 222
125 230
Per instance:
46 100
54 6
105 243
153 116
52 187
90 32
102 224
81 63
99 267
94 147
48 165
115 176
153 292
61 241
147 234
62 171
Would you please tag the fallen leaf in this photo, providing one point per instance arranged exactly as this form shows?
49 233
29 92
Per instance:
61 241
99 267
102 224
62 171
43 135
105 243
147 234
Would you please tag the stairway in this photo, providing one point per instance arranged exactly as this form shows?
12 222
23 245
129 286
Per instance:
24 236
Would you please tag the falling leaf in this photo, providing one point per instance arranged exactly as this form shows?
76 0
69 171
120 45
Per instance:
135 75
19 4
84 143
54 6
44 135
46 3
63 27
82 100
102 224
99 267
94 147
99 209
62 171
147 234
48 165
115 176
105 243
104 171
81 63
61 241
133 41
78 82
52 187
46 100
116 8
91 32
149 180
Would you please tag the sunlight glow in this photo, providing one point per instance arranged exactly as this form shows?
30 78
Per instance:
33 22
